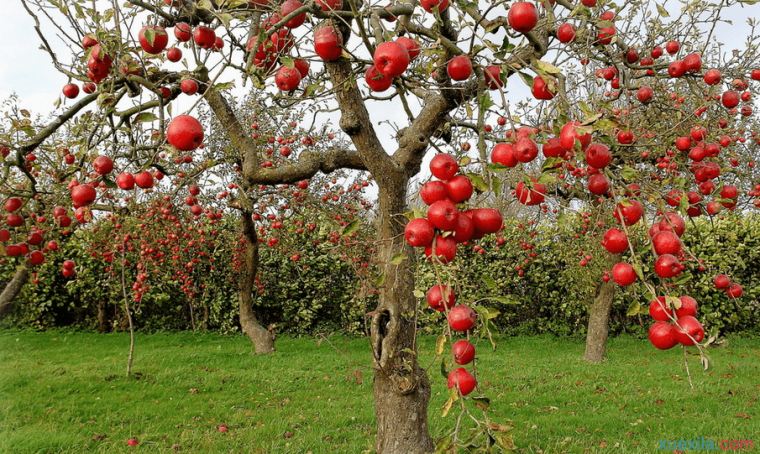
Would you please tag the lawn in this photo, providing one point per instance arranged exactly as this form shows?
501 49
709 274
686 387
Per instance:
67 393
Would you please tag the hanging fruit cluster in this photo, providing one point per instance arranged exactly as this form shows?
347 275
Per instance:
439 233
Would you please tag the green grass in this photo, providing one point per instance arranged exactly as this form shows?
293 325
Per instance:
60 390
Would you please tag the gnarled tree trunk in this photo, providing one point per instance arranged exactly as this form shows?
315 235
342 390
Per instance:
599 319
263 339
401 387
13 288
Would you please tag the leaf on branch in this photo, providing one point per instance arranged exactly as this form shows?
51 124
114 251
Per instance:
497 168
145 116
380 280
633 309
226 18
444 368
150 35
507 300
477 182
224 86
464 161
662 11
488 280
638 270
351 228
547 67
496 186
453 397
628 173
419 294
485 102
469 110
672 301
398 258
440 344
205 4
108 15
527 78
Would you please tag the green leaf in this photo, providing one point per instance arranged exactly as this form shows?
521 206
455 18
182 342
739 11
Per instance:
145 116
464 161
444 369
224 86
633 308
453 397
638 270
205 4
380 280
440 344
351 228
496 186
288 62
497 168
477 182
108 15
629 174
507 300
485 102
527 78
662 11
150 35
419 294
398 258
226 18
546 67
488 280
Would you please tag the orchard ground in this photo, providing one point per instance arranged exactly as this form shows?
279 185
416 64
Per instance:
65 392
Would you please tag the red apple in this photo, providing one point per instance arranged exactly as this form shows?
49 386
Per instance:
184 133
566 33
445 249
183 32
327 42
462 380
631 211
623 274
102 165
125 181
411 46
615 241
487 220
598 155
721 281
444 166
672 47
376 81
463 352
443 215
462 318
287 79
661 335
666 242
522 16
153 39
667 266
688 331
459 188
734 290
419 232
288 7
598 184
391 58
12 204
204 37
433 191
144 180
189 86
83 195
434 5
493 76
71 91
659 310
330 5
688 307
174 54
503 153
441 297
459 68
525 150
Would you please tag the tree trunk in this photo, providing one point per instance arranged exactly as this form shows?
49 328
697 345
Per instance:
13 288
598 323
401 387
263 339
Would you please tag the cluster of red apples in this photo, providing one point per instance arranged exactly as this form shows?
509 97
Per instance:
439 233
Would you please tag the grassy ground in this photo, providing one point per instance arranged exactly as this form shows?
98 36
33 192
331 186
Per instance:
60 391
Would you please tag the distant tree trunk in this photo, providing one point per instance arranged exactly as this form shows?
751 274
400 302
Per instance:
263 339
13 288
599 319
105 315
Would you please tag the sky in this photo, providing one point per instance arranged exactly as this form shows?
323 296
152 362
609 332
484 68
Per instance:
27 70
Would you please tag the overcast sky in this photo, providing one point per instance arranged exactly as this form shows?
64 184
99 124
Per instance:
27 70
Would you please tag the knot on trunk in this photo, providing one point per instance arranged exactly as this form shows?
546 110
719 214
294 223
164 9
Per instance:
350 124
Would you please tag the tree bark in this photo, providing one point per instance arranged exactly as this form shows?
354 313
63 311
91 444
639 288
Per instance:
13 288
599 319
401 388
263 339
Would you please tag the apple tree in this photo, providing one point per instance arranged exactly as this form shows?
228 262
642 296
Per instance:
432 71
